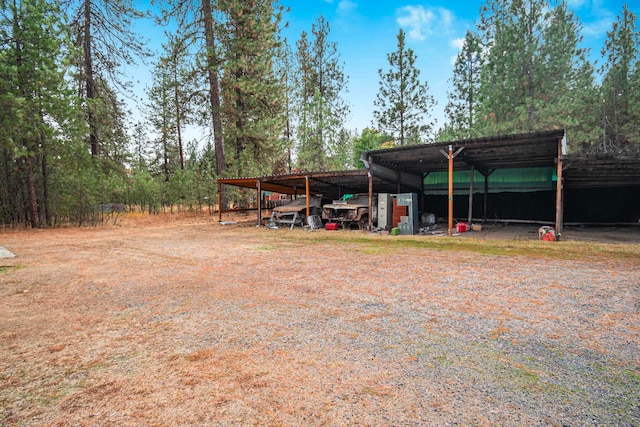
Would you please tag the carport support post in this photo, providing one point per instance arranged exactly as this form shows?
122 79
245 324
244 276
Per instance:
486 197
559 192
370 177
259 186
306 181
450 190
471 194
219 202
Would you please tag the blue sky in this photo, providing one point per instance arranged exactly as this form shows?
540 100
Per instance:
366 31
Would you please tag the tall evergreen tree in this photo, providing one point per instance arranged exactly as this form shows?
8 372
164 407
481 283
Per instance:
38 118
511 76
170 105
199 32
253 96
567 94
463 102
322 110
403 103
620 54
163 121
104 36
534 75
285 70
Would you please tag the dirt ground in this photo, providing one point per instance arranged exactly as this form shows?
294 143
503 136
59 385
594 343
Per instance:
172 321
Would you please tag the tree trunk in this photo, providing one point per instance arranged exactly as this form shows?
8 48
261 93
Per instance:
214 86
88 78
240 142
10 191
45 188
34 218
178 114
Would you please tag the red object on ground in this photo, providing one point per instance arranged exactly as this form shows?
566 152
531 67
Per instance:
331 226
461 227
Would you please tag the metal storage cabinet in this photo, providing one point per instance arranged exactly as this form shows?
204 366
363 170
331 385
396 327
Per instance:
408 224
385 210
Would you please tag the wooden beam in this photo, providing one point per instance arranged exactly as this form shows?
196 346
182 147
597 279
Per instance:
370 175
450 156
219 201
471 194
259 188
559 191
486 197
306 180
450 190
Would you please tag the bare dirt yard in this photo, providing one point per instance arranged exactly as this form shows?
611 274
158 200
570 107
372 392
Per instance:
179 321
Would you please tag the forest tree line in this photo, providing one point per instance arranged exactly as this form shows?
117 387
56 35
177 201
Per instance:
269 105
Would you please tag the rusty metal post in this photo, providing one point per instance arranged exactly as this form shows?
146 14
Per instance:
559 192
306 181
219 202
473 172
370 176
450 190
259 186
486 197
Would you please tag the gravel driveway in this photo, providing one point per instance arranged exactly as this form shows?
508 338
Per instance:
188 322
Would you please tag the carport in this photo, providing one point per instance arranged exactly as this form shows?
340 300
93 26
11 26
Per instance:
404 169
330 184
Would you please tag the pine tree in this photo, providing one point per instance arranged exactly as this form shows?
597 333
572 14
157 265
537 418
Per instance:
169 107
534 75
253 96
285 70
620 54
567 94
163 120
463 102
511 76
403 103
632 127
104 36
322 110
200 29
39 116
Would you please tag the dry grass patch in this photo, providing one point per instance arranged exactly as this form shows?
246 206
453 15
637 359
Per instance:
187 322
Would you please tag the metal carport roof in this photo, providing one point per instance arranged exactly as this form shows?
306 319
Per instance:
484 154
601 170
330 184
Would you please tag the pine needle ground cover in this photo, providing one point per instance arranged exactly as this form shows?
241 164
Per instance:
188 322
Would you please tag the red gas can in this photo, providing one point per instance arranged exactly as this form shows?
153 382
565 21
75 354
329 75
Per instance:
331 226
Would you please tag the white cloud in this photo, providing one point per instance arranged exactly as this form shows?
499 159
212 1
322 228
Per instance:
598 28
576 4
346 6
420 22
446 17
457 43
417 20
